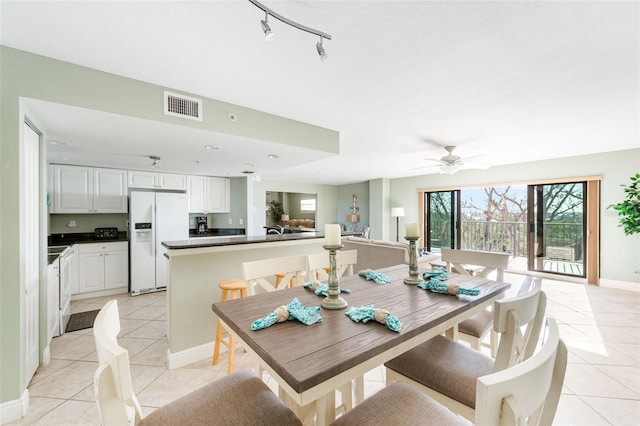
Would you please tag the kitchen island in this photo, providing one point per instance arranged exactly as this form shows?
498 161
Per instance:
196 266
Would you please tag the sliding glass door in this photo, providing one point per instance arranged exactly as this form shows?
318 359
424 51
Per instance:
557 228
541 226
442 227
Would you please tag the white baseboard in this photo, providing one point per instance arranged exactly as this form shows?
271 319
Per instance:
622 285
191 355
11 411
46 355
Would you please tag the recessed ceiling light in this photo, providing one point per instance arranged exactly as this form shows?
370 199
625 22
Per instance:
212 148
54 142
249 165
273 156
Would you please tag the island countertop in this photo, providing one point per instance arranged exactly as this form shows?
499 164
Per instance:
238 240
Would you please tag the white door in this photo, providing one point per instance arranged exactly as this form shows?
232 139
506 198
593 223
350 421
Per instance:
30 247
172 224
141 243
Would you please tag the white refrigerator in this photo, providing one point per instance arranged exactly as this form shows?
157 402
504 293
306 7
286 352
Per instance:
154 217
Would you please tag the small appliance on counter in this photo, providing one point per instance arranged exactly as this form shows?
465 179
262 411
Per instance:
201 225
106 233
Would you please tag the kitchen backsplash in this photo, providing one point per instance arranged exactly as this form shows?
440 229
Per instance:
59 223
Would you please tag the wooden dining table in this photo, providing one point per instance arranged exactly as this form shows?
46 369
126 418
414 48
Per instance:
309 362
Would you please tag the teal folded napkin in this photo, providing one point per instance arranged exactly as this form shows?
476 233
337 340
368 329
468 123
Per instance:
437 272
322 289
437 286
368 313
293 310
377 277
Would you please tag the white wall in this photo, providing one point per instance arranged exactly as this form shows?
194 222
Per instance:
619 254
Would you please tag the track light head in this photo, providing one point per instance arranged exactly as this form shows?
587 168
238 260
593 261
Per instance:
268 34
320 49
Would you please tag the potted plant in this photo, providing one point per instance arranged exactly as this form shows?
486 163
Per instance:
629 208
276 211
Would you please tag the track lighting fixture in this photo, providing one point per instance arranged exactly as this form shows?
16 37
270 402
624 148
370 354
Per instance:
269 35
320 49
154 159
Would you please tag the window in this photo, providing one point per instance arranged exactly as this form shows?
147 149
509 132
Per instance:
308 205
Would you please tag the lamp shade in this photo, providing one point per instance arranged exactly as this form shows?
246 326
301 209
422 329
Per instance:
284 217
397 211
352 218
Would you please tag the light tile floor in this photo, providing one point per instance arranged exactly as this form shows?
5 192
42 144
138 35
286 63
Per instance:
600 326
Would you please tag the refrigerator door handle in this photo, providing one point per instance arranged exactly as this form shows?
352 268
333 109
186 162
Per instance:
154 220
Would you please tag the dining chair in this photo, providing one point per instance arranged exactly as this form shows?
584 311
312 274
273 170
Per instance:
236 399
525 394
318 264
474 329
447 370
258 273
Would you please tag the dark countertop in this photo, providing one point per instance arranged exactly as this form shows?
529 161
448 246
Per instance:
216 232
218 242
82 238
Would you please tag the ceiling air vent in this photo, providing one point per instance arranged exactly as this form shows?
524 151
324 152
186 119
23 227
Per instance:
182 106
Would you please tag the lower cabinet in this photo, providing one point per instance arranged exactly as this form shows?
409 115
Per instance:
103 266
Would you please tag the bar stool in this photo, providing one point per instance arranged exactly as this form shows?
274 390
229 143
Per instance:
232 288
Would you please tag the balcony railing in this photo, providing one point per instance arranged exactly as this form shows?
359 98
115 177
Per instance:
563 240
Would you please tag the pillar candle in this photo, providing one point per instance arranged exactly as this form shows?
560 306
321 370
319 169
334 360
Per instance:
412 229
332 235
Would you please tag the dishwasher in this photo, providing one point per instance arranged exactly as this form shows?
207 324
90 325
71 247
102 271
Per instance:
64 295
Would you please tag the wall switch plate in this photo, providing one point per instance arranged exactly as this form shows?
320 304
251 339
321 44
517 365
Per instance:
230 221
241 221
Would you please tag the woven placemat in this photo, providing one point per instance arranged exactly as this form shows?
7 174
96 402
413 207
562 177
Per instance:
81 320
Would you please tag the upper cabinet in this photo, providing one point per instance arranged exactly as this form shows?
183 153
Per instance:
209 194
79 189
151 180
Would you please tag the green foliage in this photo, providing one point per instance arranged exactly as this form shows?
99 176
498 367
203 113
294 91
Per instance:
629 208
276 211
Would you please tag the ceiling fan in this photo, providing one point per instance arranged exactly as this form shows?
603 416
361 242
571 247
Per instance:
451 163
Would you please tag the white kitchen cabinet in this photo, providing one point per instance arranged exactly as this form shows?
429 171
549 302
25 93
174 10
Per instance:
151 180
103 266
53 289
78 189
72 189
109 191
209 194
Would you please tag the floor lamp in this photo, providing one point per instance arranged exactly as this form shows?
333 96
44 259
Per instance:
397 212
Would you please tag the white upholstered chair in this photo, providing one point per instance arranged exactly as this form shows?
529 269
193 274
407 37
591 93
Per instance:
448 370
239 398
525 394
475 328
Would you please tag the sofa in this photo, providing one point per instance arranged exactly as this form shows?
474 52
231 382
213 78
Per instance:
376 254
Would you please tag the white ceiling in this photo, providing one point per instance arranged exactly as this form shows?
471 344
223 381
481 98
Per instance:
515 81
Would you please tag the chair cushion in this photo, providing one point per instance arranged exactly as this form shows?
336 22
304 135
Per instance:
448 367
240 398
478 324
399 404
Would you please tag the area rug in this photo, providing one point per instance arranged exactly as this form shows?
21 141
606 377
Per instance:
81 320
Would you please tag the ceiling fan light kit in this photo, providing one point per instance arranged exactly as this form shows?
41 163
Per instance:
269 34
